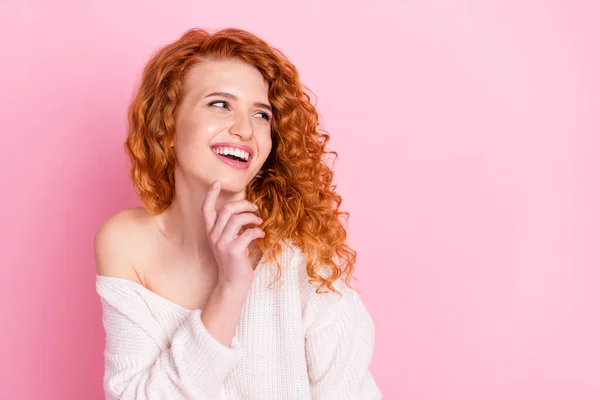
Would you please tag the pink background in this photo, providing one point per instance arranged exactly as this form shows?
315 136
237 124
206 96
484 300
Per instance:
468 134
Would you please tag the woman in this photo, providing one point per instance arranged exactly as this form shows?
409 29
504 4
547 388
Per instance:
227 161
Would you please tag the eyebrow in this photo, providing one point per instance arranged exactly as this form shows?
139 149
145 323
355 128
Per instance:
234 97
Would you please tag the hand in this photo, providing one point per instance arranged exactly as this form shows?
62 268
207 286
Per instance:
229 247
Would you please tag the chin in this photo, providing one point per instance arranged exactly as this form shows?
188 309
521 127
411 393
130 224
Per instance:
233 185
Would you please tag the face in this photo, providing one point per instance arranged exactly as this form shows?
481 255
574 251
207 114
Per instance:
223 125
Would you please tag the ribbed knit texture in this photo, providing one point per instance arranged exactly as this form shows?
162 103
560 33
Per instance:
290 343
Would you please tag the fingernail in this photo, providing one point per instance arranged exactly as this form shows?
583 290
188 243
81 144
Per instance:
216 184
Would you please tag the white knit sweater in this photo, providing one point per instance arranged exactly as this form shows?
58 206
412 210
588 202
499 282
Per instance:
290 343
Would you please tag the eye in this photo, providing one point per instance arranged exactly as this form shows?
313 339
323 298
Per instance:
226 104
266 116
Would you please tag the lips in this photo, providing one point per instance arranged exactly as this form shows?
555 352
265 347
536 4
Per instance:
233 163
236 154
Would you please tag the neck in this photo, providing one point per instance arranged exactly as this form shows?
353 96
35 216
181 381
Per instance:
183 222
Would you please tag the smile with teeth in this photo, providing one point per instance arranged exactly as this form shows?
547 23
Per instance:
234 154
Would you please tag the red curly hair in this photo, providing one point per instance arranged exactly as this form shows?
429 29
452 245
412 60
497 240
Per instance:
293 189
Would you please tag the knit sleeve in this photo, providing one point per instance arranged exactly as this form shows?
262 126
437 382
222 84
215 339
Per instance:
339 347
141 362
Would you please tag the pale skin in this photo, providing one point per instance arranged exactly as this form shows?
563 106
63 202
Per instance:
193 254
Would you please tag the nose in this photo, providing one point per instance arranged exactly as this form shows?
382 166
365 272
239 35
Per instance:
242 127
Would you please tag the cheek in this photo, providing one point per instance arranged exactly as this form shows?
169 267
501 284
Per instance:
209 127
198 132
266 146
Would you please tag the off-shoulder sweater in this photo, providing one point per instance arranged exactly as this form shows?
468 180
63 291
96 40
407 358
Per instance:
290 342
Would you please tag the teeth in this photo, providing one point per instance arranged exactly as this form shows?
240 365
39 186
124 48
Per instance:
231 151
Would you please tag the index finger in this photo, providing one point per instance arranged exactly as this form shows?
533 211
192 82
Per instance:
208 206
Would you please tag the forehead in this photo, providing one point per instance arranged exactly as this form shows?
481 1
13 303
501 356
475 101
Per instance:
232 76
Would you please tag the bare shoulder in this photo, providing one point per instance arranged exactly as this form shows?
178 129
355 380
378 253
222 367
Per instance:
119 243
